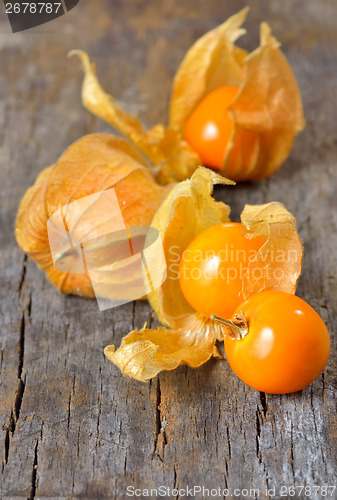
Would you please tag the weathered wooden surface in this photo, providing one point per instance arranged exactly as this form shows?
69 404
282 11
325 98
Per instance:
71 425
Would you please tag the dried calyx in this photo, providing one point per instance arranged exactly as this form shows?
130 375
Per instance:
237 327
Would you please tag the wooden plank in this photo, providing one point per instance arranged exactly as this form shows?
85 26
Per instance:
71 425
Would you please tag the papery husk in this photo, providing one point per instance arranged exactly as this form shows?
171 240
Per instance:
93 164
143 354
267 113
282 251
169 158
188 210
32 237
213 61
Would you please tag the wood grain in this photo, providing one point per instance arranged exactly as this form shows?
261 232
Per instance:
71 425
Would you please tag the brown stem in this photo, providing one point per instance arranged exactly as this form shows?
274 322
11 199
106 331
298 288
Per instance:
238 326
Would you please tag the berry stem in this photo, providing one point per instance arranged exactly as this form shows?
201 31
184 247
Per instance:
238 326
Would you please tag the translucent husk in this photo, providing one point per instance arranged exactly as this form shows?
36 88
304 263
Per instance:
93 164
267 113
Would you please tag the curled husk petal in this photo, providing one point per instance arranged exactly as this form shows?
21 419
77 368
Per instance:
169 158
93 164
143 354
278 263
189 337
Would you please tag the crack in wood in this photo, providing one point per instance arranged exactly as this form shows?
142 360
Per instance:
261 415
18 400
78 440
258 434
264 404
66 330
23 274
175 481
100 396
292 459
21 345
313 410
161 424
229 444
6 446
69 412
1 359
72 392
227 458
34 473
15 413
323 386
